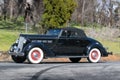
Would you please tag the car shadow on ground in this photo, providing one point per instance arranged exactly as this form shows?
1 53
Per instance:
54 62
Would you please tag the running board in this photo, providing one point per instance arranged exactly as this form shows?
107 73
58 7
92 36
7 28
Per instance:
69 57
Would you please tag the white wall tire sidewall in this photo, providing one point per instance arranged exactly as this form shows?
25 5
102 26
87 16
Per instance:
99 55
35 61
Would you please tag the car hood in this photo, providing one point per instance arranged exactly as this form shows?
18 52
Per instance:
37 36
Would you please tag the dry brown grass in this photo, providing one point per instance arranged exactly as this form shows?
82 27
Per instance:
104 33
4 56
111 58
104 59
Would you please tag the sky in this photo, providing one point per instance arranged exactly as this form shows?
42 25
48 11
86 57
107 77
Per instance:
1 1
118 0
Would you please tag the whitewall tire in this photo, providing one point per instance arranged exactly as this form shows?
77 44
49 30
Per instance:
94 55
35 55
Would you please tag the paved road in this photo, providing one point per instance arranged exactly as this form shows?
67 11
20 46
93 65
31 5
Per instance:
60 71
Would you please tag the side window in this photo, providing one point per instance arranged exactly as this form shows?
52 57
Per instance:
74 34
69 34
64 33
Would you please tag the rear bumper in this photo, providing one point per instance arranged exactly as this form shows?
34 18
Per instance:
110 53
107 54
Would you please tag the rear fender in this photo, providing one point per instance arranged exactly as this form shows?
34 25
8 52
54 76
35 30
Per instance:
98 46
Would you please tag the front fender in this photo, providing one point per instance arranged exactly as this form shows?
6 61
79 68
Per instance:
29 46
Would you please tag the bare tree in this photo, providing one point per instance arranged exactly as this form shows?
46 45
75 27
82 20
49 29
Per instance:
85 11
33 11
95 11
5 9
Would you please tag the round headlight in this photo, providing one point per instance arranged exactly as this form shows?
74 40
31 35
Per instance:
17 41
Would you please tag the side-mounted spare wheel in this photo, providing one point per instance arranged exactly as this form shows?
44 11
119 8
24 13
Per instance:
18 59
94 55
35 55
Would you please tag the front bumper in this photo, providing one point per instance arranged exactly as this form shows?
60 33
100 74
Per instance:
14 50
16 53
110 53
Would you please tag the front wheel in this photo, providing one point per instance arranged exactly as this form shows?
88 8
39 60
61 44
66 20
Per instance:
35 55
18 59
94 55
75 60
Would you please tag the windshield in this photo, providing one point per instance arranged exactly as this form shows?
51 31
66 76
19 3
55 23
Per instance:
53 32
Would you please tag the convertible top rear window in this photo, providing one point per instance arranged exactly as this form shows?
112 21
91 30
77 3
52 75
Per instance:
75 32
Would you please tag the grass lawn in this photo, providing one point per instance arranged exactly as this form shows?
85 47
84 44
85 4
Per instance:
7 37
113 46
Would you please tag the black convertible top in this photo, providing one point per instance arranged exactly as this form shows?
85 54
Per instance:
80 32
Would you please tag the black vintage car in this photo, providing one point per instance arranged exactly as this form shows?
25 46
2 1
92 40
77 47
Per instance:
64 42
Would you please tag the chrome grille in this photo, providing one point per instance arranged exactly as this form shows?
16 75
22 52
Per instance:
21 42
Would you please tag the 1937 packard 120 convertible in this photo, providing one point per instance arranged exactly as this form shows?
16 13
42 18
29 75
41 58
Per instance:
67 42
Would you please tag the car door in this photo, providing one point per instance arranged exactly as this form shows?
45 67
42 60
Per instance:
75 47
68 44
61 45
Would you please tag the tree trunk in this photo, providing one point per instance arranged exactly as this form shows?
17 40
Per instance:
5 9
11 8
82 16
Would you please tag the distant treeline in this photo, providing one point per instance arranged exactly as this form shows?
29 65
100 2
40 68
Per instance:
61 13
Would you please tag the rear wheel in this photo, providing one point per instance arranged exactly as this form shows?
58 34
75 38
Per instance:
18 59
94 55
75 60
35 55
